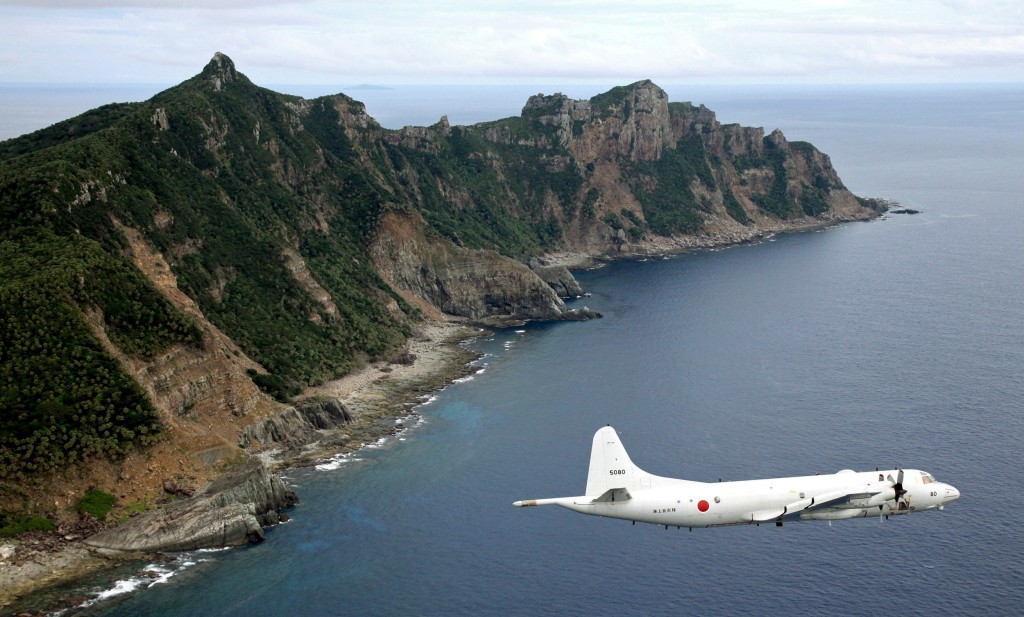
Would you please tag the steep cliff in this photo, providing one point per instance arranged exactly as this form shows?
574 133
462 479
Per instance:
173 271
470 283
629 172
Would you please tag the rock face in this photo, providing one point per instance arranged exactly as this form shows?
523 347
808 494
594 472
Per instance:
295 426
558 277
628 122
477 284
647 175
230 512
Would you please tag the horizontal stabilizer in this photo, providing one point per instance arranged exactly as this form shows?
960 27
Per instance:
614 495
556 501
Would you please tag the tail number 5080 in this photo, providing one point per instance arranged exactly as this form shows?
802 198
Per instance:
617 472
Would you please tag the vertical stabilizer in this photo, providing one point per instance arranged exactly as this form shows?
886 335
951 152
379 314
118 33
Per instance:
610 466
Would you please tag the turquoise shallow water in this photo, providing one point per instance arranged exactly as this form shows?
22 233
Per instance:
894 342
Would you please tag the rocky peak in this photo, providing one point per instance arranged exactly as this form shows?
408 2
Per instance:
220 70
442 126
543 105
777 139
648 97
628 121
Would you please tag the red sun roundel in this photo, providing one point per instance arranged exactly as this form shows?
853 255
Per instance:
703 505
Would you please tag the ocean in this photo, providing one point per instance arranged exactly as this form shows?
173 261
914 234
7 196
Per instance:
897 342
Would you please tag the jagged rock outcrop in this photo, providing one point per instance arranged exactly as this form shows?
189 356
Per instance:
230 512
558 277
630 122
646 175
477 284
295 426
220 71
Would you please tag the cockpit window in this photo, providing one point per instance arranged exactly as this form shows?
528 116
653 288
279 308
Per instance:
926 478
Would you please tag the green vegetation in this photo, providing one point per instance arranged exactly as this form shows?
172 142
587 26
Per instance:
84 124
733 207
606 102
224 194
130 510
777 201
781 201
612 220
497 194
96 504
632 217
587 212
13 526
275 386
62 397
264 207
672 207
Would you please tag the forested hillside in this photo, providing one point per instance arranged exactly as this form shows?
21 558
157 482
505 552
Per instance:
265 207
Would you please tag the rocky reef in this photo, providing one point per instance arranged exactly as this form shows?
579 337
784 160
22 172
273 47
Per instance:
231 511
295 426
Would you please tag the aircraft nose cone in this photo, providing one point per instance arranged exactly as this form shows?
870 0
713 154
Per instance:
952 494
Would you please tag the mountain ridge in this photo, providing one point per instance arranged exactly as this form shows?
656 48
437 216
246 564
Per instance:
222 245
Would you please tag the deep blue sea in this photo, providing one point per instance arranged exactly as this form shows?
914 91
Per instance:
898 342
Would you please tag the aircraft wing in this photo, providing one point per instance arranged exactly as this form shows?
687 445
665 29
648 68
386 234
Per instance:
830 499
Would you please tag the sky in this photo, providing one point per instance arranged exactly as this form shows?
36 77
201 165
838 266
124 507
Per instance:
516 41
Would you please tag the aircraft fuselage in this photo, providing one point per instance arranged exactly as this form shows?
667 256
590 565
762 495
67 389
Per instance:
616 488
709 504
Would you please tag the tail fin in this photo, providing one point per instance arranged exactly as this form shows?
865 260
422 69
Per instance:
610 466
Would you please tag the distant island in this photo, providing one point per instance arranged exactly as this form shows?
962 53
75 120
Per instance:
224 271
369 87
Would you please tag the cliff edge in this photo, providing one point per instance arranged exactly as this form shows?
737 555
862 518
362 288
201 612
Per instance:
174 273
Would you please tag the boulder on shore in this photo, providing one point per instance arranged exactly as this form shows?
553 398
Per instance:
558 277
230 512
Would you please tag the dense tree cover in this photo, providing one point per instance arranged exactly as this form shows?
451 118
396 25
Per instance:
255 199
62 397
237 180
223 183
84 124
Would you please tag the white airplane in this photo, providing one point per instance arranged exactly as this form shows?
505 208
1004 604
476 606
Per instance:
617 488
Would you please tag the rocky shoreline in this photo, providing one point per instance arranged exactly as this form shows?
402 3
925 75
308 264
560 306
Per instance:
372 399
723 237
335 418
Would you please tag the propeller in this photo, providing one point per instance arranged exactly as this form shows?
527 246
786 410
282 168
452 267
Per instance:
897 493
898 488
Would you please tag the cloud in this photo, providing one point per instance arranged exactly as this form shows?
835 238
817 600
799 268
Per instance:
84 5
401 41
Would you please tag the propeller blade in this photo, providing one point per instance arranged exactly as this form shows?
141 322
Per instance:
898 489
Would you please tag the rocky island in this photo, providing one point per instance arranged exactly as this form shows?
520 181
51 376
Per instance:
223 279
